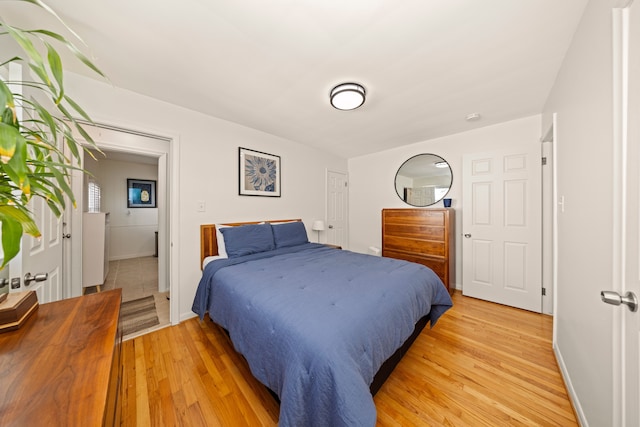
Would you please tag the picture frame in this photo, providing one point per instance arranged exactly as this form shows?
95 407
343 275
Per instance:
141 193
259 173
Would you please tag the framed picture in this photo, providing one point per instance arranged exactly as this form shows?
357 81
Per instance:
141 193
259 173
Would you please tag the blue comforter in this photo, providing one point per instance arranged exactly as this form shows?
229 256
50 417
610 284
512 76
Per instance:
315 324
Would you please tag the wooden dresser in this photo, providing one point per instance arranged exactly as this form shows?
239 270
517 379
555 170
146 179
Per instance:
63 367
425 236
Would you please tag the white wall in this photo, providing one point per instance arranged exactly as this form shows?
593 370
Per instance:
582 99
208 169
371 177
132 230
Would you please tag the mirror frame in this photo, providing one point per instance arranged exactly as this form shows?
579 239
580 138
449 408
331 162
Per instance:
403 198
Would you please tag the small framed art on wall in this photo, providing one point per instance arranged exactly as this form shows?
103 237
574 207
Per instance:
141 193
259 173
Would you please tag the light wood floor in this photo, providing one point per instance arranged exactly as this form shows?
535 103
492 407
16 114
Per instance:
483 364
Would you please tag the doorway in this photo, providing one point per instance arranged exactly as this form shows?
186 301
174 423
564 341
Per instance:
337 209
128 144
131 248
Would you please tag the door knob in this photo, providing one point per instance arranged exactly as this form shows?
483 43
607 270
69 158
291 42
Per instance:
468 236
66 236
40 277
330 226
629 299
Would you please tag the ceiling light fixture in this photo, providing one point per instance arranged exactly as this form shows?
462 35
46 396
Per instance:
347 96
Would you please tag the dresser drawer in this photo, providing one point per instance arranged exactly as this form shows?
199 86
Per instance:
416 231
414 216
414 246
438 265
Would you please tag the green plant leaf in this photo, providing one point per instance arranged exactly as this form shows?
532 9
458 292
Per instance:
32 150
9 137
14 59
16 220
11 236
76 52
18 163
79 109
26 44
47 118
55 65
7 102
41 72
52 12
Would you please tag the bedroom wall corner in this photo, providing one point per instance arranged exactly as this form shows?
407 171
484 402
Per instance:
371 192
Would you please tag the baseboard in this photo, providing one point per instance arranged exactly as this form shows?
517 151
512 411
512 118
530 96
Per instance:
575 402
189 315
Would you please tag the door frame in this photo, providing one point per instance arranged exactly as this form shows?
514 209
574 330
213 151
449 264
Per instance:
165 148
549 219
625 372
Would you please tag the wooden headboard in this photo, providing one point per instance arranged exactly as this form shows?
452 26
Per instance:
209 242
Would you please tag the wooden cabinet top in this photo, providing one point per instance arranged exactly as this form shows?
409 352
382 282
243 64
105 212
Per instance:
55 369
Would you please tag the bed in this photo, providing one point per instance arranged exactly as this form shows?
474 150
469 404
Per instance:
320 327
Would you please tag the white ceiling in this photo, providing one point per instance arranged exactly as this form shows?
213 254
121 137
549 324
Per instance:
270 65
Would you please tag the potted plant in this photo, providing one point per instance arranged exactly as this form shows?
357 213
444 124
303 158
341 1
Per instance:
32 156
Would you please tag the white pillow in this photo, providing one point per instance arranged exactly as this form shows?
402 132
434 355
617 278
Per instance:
222 252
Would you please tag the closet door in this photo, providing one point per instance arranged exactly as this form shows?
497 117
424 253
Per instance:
502 228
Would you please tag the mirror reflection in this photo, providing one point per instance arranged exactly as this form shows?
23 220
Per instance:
423 180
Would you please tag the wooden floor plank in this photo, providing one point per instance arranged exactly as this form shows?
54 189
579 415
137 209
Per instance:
483 364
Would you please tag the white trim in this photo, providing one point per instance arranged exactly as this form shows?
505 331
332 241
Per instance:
547 226
620 26
554 150
582 419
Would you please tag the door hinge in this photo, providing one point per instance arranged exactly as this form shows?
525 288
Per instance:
544 161
544 292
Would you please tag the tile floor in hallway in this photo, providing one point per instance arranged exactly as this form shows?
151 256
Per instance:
138 277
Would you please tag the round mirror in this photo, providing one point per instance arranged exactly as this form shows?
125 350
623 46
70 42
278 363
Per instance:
423 180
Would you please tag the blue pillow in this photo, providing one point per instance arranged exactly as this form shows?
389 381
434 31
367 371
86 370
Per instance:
289 234
248 239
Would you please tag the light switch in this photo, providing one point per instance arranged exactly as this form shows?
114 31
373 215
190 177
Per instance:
201 206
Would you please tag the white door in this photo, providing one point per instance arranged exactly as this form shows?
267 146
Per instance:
337 208
44 255
502 228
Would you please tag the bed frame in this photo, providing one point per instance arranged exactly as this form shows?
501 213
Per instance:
209 247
